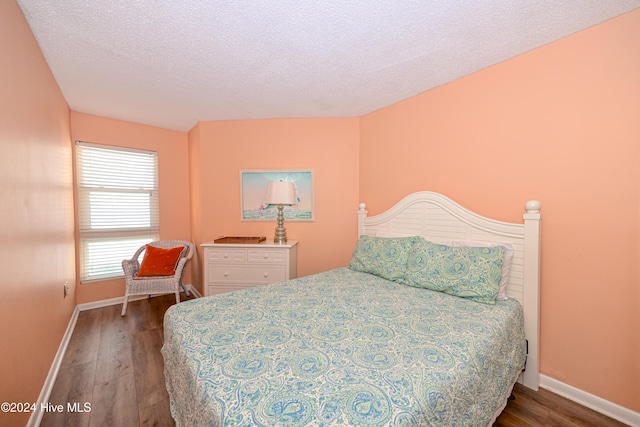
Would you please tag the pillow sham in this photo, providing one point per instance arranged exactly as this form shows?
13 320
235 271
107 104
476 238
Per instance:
506 263
467 272
384 257
159 261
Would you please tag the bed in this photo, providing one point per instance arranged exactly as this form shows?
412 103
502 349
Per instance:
371 344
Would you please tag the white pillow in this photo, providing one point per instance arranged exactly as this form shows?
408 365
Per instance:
506 263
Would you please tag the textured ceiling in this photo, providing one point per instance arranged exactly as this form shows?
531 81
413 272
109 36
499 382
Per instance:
172 63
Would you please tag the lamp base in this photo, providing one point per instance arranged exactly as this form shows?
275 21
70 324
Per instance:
280 235
278 239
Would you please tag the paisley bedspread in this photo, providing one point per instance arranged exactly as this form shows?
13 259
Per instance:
340 348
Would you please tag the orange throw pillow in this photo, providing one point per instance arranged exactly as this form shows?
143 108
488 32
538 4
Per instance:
160 261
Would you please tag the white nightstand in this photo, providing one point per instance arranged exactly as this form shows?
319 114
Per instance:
229 267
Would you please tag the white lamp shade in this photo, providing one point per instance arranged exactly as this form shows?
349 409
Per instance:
281 193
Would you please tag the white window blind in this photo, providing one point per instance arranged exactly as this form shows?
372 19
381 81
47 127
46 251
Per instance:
118 206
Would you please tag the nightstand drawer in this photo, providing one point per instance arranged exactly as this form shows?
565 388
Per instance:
246 274
266 256
227 255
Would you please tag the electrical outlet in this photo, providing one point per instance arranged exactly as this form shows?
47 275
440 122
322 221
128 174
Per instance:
66 289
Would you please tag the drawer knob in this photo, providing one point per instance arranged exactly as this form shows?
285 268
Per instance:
266 256
226 255
226 273
266 274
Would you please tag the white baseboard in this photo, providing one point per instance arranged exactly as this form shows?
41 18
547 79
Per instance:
120 300
45 393
193 291
596 403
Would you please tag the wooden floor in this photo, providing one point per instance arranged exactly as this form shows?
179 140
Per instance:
113 364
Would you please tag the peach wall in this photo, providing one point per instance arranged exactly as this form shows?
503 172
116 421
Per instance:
37 250
559 124
173 182
219 150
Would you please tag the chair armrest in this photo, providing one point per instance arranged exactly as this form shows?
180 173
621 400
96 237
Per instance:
130 267
181 263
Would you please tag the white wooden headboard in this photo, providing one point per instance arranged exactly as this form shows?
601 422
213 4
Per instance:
439 219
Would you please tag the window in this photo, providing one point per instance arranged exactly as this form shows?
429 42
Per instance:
117 204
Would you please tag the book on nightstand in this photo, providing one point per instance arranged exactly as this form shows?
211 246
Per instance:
236 239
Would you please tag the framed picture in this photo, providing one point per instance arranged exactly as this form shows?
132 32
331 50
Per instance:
253 195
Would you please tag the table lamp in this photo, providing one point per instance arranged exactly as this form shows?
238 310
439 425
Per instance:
281 193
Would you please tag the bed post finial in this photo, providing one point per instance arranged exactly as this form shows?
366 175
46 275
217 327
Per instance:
532 206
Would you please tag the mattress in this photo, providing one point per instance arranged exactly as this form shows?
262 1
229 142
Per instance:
340 348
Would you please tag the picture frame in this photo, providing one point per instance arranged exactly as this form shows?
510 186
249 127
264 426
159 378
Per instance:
253 194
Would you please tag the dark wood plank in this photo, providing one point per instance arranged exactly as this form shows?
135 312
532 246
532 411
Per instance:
142 318
507 419
158 308
112 403
157 415
527 411
149 368
85 340
73 385
114 354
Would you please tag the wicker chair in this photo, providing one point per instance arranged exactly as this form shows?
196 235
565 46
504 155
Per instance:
155 284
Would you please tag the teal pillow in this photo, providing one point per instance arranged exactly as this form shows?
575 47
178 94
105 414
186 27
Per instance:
384 257
468 272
